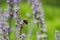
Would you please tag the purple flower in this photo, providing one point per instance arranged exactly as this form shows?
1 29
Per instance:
9 29
16 1
1 23
36 2
4 28
19 1
35 5
16 8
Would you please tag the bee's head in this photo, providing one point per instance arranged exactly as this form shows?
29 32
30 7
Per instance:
25 21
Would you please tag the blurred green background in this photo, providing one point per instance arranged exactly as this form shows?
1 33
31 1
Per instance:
52 16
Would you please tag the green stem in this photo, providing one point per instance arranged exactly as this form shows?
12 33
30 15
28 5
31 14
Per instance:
12 26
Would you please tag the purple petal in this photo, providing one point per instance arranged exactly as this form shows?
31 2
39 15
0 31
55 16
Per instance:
9 29
15 1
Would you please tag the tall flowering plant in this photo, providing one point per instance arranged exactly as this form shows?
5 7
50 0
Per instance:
10 13
19 22
17 18
39 16
4 27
